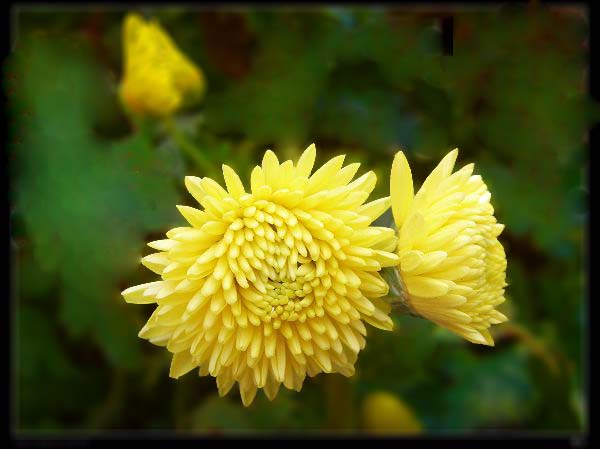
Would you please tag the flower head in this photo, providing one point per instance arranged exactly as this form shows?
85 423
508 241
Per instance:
452 266
270 285
157 76
384 413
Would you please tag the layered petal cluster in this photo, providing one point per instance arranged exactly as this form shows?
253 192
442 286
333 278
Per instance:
157 76
452 265
269 285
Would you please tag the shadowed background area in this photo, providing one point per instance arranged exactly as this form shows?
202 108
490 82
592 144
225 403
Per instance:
88 188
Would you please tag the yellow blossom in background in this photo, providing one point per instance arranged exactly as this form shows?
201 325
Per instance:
452 266
385 413
158 79
267 286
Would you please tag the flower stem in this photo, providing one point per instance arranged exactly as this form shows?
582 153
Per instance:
339 402
114 399
534 344
397 296
192 151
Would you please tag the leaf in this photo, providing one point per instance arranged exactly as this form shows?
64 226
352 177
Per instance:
305 73
491 391
275 100
39 354
360 101
543 197
86 203
216 415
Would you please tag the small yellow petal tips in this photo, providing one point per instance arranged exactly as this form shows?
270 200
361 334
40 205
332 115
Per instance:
157 76
452 266
273 282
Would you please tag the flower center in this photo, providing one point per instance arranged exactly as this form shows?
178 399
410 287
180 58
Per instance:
285 299
273 251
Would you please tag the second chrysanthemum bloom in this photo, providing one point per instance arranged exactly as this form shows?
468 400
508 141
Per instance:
158 78
268 286
452 266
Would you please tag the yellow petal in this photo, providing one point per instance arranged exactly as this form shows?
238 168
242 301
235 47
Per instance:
181 364
270 166
135 295
426 287
374 209
193 216
194 185
439 173
324 174
401 188
306 161
233 182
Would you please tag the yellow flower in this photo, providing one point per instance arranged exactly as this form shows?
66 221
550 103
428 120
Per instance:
157 76
268 286
452 266
384 413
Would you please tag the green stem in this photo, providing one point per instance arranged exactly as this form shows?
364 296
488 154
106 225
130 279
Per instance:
534 344
339 402
188 147
107 409
397 295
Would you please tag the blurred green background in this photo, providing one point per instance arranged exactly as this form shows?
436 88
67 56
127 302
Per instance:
89 187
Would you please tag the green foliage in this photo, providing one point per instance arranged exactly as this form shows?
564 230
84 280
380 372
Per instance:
492 390
89 186
75 194
218 415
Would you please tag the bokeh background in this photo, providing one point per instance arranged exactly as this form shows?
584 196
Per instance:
89 186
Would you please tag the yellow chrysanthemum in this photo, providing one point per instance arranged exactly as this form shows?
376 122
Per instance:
452 266
157 76
268 286
385 413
